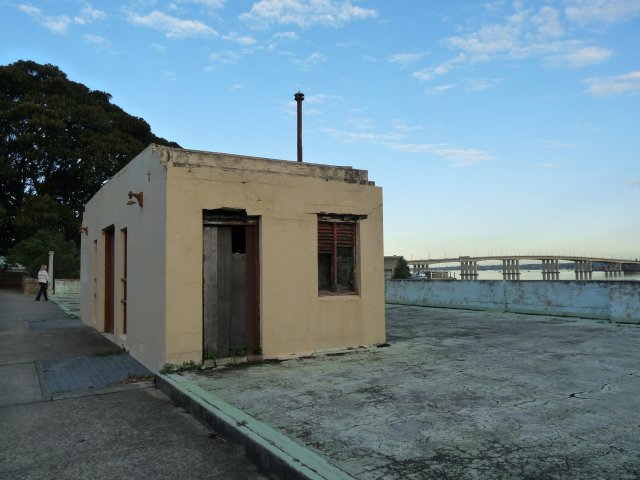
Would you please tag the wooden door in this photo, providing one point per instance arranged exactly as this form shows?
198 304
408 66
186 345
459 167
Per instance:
109 268
230 291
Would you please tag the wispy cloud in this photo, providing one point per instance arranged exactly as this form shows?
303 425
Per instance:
581 58
635 182
170 75
60 24
361 123
439 70
332 13
213 4
404 59
546 165
158 47
244 40
546 23
280 38
401 126
312 61
554 144
101 44
291 107
366 137
350 44
88 14
317 99
456 156
57 24
524 33
440 89
285 36
226 57
584 12
95 39
480 84
172 27
606 87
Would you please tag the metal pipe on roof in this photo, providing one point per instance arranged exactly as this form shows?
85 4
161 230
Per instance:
299 97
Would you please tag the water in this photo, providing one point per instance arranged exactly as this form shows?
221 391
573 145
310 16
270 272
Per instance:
537 275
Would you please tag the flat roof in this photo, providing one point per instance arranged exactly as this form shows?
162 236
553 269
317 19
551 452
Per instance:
458 394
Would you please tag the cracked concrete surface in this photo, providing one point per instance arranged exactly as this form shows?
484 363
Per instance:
459 395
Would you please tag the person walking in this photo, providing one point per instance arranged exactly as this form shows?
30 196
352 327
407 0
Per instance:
43 280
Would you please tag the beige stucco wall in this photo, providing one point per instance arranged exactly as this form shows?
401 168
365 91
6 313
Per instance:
287 196
146 276
165 252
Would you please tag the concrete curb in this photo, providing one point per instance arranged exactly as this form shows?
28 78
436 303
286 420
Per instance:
269 449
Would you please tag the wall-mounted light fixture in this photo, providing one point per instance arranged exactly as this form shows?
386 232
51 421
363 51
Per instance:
139 198
84 230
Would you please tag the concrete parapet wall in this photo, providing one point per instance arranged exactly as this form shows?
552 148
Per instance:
614 301
64 286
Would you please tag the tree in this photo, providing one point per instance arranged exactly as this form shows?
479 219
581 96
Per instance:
61 140
34 252
401 270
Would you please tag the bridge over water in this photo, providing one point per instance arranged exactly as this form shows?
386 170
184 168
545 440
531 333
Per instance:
583 266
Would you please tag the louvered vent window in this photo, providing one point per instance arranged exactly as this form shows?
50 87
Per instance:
336 256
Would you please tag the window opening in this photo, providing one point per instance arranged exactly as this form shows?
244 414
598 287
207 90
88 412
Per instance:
336 256
238 240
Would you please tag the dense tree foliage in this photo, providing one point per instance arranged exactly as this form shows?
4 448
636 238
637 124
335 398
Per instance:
34 251
401 269
59 143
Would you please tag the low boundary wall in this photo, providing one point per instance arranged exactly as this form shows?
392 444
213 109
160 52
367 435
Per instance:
613 301
64 286
11 279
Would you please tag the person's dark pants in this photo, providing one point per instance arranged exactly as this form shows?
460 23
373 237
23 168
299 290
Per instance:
43 291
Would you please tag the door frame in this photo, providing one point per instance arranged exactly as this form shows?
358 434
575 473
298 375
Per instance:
109 279
231 218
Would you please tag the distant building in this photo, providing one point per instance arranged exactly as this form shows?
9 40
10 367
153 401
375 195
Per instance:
390 263
191 255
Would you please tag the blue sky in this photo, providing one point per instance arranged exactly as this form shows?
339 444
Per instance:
493 127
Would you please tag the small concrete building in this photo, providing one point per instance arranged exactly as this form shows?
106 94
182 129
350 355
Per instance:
390 263
190 255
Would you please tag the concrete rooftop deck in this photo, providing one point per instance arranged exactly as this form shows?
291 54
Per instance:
458 395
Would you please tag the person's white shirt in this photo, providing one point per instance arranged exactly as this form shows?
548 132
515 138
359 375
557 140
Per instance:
43 276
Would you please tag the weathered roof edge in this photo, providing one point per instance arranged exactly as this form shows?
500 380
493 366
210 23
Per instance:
181 157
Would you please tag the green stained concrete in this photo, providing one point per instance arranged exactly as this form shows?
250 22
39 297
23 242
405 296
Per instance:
309 463
68 303
458 394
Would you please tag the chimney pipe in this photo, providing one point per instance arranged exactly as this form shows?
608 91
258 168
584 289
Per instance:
299 97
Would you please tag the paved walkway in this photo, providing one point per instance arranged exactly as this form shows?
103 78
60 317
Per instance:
74 406
458 395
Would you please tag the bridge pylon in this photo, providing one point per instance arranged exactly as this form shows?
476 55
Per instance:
510 269
613 270
583 269
550 269
468 270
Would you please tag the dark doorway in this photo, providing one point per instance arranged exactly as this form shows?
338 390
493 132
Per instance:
230 284
109 268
